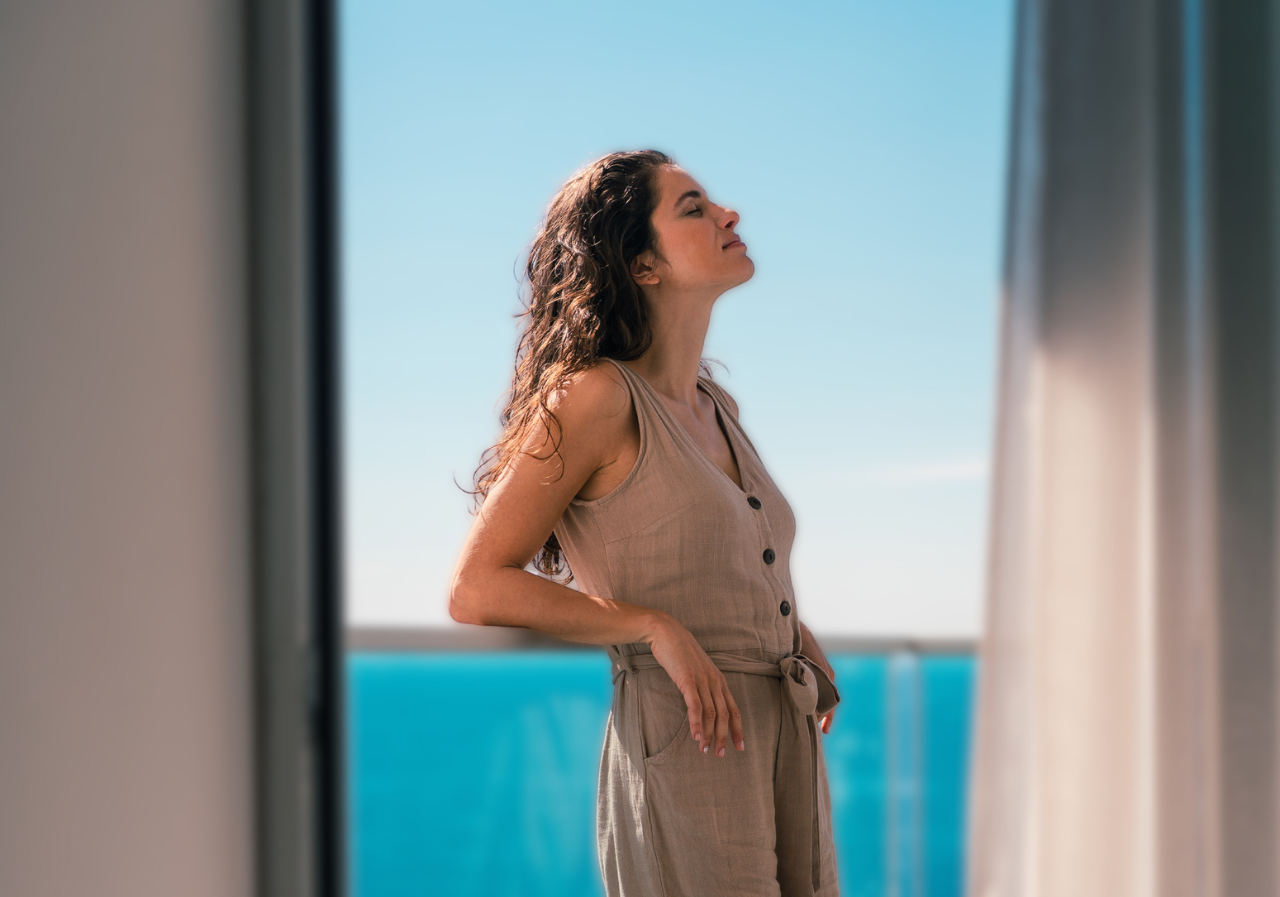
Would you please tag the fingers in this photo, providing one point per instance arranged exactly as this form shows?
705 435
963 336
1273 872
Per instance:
708 717
712 712
722 720
728 719
694 703
735 723
702 716
714 716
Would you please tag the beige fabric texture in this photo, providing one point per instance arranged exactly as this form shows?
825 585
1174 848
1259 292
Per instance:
679 535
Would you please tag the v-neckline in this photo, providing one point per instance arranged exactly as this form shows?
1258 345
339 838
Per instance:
726 430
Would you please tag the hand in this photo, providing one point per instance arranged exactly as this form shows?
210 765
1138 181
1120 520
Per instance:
824 721
809 648
713 714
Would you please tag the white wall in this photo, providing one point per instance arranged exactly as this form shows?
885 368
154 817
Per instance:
125 742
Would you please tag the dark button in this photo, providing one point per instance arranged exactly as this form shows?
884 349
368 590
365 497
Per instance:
769 555
754 502
785 607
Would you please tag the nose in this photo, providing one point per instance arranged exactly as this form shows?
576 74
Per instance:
729 218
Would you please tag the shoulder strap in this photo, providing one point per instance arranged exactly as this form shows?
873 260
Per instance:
653 427
723 399
720 394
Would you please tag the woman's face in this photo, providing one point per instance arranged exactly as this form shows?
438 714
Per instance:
696 246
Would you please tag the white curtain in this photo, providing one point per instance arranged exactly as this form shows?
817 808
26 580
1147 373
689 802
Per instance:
1127 704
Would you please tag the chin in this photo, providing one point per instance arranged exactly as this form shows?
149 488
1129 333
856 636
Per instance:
741 275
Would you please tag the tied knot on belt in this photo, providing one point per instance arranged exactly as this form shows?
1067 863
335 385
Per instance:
809 693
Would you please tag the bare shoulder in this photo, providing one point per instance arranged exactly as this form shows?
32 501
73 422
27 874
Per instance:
595 396
600 428
593 412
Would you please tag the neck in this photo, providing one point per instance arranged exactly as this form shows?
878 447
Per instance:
679 330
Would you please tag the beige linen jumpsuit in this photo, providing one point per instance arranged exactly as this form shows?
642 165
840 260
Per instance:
679 535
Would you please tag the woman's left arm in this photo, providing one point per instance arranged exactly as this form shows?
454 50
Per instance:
809 648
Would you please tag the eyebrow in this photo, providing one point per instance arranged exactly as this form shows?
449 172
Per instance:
689 194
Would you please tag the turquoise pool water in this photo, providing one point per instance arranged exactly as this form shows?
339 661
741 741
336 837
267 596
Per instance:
474 774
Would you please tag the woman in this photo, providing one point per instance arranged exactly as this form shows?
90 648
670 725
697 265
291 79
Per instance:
618 459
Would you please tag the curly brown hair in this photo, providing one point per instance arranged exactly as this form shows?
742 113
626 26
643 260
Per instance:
582 305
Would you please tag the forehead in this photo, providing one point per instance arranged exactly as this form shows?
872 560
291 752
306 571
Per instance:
674 182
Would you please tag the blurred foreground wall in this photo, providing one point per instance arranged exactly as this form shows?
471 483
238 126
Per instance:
125 692
1128 707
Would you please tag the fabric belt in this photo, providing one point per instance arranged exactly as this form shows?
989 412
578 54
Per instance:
806 690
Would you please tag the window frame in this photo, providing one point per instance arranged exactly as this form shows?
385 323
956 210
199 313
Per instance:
291 162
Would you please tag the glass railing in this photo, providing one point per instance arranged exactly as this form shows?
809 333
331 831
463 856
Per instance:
473 773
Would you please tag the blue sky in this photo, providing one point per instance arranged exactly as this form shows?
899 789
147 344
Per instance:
863 145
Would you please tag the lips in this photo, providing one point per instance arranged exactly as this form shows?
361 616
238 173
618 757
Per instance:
734 242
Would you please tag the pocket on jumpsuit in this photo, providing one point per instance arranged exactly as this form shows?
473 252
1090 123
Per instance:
680 784
665 717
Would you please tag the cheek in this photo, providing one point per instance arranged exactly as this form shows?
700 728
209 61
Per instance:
701 259
693 251
678 252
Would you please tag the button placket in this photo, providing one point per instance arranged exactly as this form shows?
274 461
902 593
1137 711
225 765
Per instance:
769 556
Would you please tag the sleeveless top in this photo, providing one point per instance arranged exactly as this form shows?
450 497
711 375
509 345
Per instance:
679 535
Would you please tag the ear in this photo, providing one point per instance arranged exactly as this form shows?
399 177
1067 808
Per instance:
644 269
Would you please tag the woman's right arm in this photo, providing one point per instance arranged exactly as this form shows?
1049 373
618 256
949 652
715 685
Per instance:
491 587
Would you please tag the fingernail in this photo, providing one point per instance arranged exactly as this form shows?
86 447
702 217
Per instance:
720 752
697 736
742 745
705 748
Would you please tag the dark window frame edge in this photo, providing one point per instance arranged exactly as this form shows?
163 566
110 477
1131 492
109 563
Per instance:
292 233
